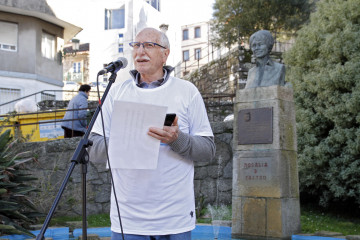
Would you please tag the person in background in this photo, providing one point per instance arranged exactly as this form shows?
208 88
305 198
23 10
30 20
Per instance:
75 122
157 203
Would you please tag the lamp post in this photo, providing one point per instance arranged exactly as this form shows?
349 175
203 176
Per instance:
164 27
75 44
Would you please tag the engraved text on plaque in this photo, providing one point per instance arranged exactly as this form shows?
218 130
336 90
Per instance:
255 126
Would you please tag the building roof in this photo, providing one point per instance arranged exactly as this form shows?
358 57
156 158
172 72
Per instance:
82 48
39 9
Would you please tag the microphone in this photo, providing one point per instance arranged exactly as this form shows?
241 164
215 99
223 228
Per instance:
114 66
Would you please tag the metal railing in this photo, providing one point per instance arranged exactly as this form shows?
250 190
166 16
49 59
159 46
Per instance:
7 117
52 95
218 106
41 125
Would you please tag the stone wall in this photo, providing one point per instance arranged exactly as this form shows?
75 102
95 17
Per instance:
213 180
218 80
52 164
226 74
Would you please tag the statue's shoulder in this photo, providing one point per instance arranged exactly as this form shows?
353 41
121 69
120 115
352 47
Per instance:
278 65
252 69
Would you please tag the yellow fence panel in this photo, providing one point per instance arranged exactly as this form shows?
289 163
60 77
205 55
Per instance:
35 127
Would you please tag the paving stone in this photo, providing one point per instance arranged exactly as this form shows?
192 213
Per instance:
91 237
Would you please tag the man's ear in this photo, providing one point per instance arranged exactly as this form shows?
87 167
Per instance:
166 54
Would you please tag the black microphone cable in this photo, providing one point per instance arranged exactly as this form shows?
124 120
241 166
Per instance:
107 157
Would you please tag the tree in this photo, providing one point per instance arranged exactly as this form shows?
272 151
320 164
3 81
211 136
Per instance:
241 18
324 68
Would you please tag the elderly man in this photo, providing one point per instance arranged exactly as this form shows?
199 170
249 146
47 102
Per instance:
159 203
267 72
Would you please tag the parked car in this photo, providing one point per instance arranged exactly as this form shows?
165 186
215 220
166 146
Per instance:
94 84
102 86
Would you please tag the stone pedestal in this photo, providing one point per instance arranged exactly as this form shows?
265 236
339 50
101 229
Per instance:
265 199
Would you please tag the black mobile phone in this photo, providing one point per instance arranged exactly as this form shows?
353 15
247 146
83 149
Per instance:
169 119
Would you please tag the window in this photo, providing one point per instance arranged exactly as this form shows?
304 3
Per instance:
105 78
154 3
197 32
186 56
121 47
114 18
185 34
77 67
8 36
48 45
121 43
198 53
6 95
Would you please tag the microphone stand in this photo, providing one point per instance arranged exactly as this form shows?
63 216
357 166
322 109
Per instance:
80 156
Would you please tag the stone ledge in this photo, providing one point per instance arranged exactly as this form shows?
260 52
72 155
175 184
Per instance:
325 234
329 234
353 237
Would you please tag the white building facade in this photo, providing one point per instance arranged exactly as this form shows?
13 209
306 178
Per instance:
197 49
109 26
30 40
31 51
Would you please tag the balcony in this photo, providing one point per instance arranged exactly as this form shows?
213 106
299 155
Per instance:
74 77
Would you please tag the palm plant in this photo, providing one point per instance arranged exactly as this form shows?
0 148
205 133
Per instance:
17 212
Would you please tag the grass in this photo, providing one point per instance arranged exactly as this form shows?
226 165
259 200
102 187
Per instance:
312 221
98 220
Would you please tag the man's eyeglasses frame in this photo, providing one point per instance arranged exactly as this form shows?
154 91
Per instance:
133 45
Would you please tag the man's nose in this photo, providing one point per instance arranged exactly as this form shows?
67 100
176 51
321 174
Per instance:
141 48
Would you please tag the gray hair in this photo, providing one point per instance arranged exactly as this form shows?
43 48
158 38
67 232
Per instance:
163 39
263 34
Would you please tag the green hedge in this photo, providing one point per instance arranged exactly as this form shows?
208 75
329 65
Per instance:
324 69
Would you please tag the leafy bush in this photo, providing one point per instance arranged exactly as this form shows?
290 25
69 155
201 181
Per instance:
324 68
15 207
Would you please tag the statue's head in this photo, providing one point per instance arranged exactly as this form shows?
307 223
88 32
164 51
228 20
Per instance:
262 37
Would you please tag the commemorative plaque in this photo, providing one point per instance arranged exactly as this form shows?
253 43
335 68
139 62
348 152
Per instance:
255 126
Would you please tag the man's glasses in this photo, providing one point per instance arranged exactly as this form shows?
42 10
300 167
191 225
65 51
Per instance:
146 45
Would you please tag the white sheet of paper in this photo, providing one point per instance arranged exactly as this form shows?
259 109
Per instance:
130 147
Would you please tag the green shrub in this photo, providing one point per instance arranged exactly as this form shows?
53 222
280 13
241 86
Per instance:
17 212
324 68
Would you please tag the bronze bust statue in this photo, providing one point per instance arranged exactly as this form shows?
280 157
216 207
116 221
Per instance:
266 72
